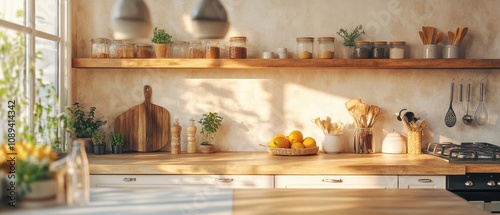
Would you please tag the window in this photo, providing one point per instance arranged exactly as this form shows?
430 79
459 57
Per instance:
33 45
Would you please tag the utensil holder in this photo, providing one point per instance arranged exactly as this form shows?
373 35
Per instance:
430 51
363 141
451 51
333 143
414 142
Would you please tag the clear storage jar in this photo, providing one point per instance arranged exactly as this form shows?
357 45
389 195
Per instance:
379 50
116 49
212 49
362 50
397 49
305 47
195 49
100 47
238 47
128 50
326 47
180 49
144 51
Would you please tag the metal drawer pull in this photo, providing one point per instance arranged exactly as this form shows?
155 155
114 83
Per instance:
129 179
328 180
225 180
425 180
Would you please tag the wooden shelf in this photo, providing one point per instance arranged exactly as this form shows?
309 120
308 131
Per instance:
170 63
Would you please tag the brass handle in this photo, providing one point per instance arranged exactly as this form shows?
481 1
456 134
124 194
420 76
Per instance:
329 180
225 180
425 180
469 183
490 183
129 179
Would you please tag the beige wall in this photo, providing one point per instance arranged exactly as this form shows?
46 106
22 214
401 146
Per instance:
258 103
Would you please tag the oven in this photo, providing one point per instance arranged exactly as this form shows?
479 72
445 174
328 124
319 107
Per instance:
481 189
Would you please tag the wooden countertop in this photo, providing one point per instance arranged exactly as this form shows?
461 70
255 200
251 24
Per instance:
262 163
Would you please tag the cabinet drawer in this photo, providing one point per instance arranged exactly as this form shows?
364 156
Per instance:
337 182
422 182
153 181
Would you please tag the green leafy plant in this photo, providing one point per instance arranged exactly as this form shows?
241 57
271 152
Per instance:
79 123
210 123
99 138
117 139
350 37
160 36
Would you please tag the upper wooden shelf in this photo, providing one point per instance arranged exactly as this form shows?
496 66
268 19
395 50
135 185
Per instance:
170 63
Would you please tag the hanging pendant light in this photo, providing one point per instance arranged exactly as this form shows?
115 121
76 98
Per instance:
209 19
130 19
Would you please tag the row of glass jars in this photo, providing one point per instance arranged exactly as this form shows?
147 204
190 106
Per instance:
379 50
305 47
106 48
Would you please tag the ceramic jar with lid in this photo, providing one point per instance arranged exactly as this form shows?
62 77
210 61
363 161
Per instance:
305 47
326 47
394 143
362 50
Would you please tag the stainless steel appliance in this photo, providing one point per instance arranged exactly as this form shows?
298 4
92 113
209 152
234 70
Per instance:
481 189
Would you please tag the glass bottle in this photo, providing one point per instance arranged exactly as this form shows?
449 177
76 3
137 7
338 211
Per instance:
362 50
379 49
100 47
195 49
305 47
212 50
326 47
180 49
238 47
397 50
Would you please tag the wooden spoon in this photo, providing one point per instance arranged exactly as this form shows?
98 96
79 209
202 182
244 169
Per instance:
457 32
458 37
463 32
421 34
439 37
430 34
451 37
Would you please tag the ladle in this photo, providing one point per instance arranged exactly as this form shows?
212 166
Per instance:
467 119
450 118
481 114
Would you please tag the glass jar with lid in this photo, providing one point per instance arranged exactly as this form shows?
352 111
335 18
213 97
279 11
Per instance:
180 49
116 49
326 47
362 50
379 50
212 49
397 49
100 47
128 50
238 47
195 49
144 51
305 47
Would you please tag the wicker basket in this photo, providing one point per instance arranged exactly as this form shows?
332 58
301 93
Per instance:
293 152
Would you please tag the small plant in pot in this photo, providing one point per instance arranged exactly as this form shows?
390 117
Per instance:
117 142
99 141
210 123
161 40
349 39
81 125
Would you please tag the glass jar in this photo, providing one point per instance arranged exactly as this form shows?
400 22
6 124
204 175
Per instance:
238 47
144 51
212 49
195 49
116 49
180 49
363 141
379 50
128 50
397 49
100 47
362 50
326 47
305 47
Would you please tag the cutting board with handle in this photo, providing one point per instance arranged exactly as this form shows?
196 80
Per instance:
145 127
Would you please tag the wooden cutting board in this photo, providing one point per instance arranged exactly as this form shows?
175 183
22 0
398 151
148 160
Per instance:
145 127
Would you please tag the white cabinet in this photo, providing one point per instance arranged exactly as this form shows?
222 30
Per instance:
422 182
161 181
337 181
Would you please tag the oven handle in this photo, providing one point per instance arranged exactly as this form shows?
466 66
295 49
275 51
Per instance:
425 180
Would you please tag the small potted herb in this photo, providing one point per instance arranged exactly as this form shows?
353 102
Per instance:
210 123
349 39
117 142
161 40
99 141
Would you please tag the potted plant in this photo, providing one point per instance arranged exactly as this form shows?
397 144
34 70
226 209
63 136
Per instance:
81 125
161 40
349 39
210 123
117 142
99 141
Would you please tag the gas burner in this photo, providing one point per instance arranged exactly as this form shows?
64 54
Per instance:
467 152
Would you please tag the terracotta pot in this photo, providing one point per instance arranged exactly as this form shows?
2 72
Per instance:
207 148
161 50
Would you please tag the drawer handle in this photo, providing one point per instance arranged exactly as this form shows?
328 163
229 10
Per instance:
225 180
328 180
129 179
425 180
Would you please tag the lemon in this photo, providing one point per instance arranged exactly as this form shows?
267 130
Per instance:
309 142
279 142
295 136
297 145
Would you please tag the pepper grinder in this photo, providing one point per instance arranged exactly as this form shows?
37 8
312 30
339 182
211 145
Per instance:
191 133
176 138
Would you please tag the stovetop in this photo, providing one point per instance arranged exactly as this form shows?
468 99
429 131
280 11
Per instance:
466 152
